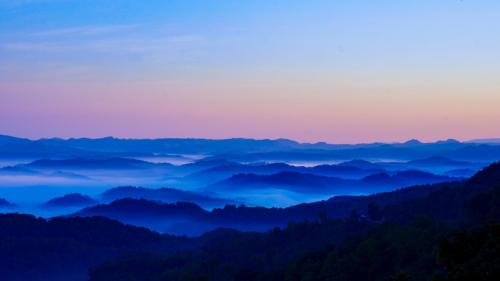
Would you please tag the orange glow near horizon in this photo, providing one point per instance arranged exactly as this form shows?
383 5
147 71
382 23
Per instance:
335 71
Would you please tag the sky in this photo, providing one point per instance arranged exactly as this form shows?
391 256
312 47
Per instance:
337 71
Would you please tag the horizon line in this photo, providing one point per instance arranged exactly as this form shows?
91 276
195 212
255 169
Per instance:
415 140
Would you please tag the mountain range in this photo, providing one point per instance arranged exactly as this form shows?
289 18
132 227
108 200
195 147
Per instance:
165 195
413 238
70 200
93 164
395 234
189 218
243 150
310 183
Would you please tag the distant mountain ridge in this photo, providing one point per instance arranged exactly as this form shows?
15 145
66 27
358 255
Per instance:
310 183
93 163
70 200
490 140
393 245
4 204
166 195
439 161
221 172
242 149
188 218
442 199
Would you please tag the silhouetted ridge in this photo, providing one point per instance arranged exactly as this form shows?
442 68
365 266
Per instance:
416 175
449 204
70 200
167 195
438 161
362 164
441 200
242 150
378 178
195 220
299 182
137 208
6 204
210 163
410 235
88 163
413 142
310 183
4 139
385 241
460 173
16 170
487 176
37 249
219 173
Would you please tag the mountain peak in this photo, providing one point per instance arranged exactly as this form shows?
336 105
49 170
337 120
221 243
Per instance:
448 141
487 176
70 200
413 142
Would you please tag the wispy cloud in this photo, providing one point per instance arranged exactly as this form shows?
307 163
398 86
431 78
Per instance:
87 30
28 46
111 45
26 2
119 38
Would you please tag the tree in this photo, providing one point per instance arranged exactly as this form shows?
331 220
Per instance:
374 211
323 217
399 277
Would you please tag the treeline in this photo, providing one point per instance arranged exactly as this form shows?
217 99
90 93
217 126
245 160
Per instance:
423 250
64 248
450 235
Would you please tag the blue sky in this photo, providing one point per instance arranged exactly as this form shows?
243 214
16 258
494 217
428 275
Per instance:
350 62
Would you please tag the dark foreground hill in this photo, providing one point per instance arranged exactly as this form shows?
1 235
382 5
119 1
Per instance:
377 247
63 248
190 219
375 241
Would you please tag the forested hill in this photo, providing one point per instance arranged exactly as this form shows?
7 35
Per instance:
459 244
63 248
425 238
